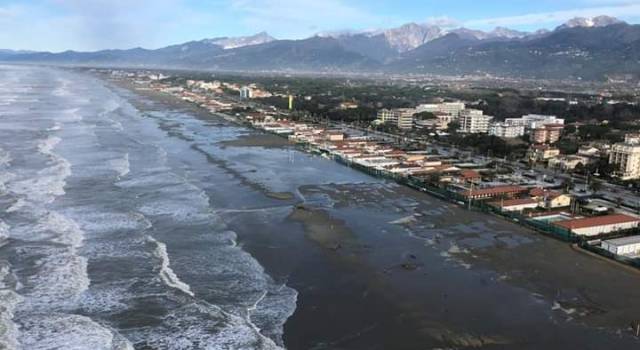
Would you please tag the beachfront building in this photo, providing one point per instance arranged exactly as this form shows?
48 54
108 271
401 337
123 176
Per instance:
473 121
493 192
598 225
515 205
505 130
626 157
626 246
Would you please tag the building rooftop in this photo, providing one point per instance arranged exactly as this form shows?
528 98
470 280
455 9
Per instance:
597 221
495 190
514 202
624 241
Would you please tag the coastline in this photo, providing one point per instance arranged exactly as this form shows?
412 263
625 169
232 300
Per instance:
359 273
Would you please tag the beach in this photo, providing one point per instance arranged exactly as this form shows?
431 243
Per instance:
378 265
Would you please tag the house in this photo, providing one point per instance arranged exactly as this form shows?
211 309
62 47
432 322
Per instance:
542 153
550 199
568 162
598 225
468 176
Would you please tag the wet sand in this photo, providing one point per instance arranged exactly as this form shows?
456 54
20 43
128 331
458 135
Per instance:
380 266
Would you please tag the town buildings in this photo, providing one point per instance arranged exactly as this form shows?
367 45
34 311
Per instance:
506 130
598 225
401 117
549 133
246 92
473 121
450 108
626 246
626 157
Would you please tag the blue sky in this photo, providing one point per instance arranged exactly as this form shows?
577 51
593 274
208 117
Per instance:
58 25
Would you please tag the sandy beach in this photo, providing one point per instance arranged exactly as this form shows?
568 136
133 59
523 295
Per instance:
380 266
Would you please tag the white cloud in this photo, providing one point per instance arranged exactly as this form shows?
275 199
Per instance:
443 22
299 18
623 10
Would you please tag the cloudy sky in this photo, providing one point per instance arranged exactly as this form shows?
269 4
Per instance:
58 25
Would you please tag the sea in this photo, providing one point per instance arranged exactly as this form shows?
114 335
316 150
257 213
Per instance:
108 236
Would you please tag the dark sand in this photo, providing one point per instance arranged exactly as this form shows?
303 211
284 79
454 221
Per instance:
380 266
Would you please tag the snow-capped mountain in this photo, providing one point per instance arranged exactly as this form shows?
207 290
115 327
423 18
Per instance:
594 22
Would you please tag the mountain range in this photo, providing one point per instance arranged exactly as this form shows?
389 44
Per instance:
583 48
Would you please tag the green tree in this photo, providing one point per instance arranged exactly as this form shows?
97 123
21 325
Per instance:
595 186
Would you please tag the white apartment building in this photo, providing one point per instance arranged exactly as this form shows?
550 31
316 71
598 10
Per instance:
626 157
451 108
405 118
402 117
473 121
534 121
246 92
505 130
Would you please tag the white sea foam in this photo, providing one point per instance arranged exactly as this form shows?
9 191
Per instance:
121 165
59 280
190 328
9 332
167 275
4 233
69 332
46 146
68 232
5 158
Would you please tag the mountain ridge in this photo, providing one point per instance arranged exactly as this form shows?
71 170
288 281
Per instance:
579 49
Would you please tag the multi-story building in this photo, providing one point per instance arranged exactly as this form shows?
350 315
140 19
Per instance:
506 130
402 117
405 118
534 121
549 133
626 157
451 108
473 121
246 92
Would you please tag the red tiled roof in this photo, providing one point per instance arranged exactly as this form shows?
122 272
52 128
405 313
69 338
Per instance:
470 174
541 192
513 202
596 221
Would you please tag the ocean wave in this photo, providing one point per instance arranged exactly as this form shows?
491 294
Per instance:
5 158
121 165
167 275
190 327
4 233
49 182
9 331
58 281
69 332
